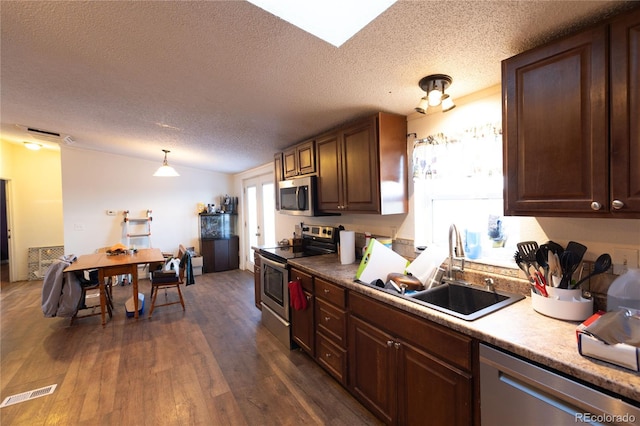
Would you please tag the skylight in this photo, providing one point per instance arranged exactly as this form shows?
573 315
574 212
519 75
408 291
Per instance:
334 21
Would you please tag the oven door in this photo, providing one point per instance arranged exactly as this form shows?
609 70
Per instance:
274 288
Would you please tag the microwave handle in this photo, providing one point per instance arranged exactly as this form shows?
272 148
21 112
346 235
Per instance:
302 201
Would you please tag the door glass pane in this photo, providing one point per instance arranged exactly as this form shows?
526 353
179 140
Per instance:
269 209
252 218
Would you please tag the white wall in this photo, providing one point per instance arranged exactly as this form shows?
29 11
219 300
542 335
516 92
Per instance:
94 182
35 201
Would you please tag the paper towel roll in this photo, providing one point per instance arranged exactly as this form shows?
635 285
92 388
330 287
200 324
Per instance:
347 247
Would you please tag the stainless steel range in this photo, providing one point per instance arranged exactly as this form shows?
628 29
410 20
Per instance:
274 280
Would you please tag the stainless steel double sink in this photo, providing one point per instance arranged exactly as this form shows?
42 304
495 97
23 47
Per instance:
459 299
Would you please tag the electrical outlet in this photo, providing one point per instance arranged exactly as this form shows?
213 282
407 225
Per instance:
623 259
111 212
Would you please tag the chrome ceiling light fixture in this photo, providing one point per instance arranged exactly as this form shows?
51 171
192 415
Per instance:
434 85
166 170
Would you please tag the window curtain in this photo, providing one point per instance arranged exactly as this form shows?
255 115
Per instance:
471 153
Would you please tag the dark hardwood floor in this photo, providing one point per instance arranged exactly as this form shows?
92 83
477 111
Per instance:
214 364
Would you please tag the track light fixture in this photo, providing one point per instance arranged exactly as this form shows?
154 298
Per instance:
434 86
166 170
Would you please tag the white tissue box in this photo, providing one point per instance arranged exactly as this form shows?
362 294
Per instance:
620 354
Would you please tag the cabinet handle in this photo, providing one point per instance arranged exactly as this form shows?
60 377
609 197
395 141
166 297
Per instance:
326 319
617 204
390 343
326 291
327 355
308 298
396 345
596 206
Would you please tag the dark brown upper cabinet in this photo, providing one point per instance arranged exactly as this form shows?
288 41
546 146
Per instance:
299 160
571 127
362 166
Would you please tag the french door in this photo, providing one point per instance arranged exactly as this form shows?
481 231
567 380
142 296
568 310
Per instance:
260 211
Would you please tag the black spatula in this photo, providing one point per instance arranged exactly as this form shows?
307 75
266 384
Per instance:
577 248
528 250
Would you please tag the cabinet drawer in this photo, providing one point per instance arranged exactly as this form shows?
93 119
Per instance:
331 321
331 293
305 279
331 357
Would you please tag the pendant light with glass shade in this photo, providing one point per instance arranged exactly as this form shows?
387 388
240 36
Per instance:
166 170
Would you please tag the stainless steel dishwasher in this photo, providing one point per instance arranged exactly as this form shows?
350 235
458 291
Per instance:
516 392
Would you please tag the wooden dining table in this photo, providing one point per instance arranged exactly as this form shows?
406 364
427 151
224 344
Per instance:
118 264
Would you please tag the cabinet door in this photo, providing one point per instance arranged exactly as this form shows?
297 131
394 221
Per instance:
302 322
329 183
290 163
208 256
221 255
306 157
372 369
429 388
302 326
234 252
555 120
257 270
625 110
360 167
278 174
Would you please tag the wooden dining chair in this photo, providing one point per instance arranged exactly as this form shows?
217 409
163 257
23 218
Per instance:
89 284
166 280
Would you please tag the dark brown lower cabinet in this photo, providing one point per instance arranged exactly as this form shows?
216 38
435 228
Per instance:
331 328
302 325
220 254
257 271
399 370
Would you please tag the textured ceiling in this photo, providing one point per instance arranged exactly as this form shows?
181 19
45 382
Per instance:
224 84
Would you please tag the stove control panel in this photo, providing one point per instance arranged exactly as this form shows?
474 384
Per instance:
319 232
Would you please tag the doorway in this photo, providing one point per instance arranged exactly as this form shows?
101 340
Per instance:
260 225
5 233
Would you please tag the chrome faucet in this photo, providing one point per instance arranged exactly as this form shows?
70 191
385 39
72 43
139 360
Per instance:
456 253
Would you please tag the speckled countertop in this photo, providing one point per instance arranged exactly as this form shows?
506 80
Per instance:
516 328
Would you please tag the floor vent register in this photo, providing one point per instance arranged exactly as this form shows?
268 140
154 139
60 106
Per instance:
26 396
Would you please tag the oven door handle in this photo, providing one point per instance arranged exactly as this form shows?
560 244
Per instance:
273 263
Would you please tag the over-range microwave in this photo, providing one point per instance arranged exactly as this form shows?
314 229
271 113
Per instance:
298 196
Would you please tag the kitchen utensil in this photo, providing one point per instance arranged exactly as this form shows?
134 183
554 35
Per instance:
542 256
577 248
528 250
540 284
602 264
569 261
411 282
520 262
554 267
555 247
